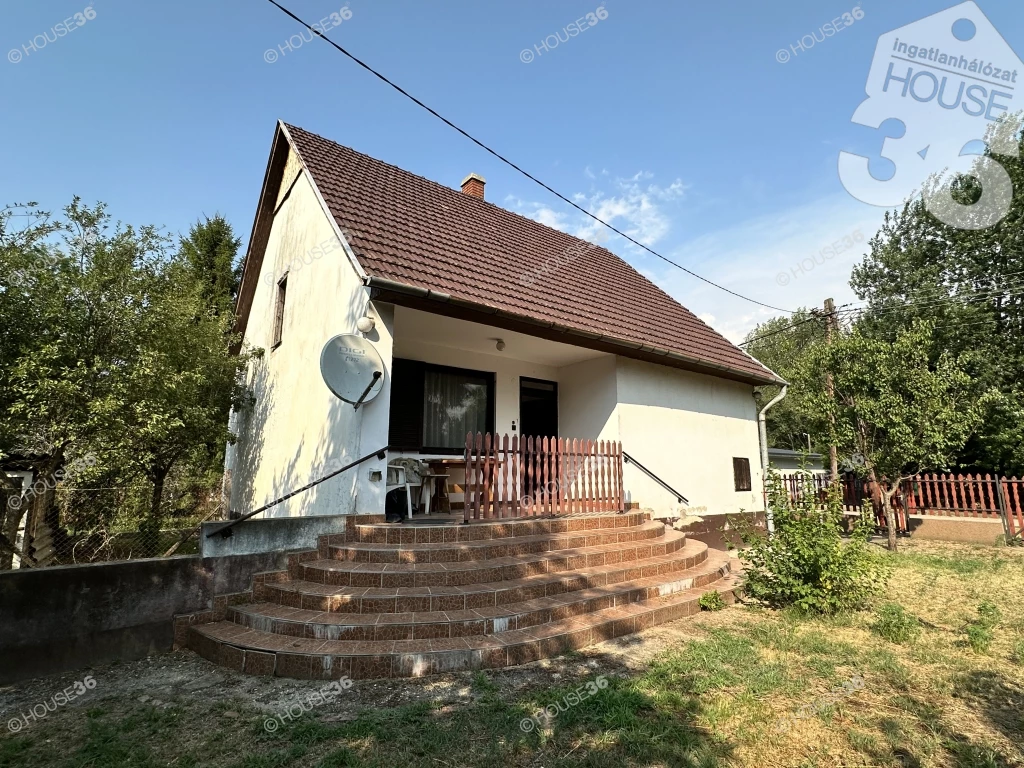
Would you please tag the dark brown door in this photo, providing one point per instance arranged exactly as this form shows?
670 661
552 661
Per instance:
538 408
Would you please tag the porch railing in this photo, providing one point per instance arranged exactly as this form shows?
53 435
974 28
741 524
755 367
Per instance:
511 477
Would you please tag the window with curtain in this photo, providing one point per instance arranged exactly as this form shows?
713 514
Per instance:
453 404
433 407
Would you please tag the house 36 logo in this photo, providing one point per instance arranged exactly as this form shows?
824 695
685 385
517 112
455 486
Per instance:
951 80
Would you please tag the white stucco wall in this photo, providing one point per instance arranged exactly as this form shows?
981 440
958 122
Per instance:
587 395
686 428
297 431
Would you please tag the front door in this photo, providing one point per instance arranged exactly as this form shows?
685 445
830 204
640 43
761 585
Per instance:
538 408
538 418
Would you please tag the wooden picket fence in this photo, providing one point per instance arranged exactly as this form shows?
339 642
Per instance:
527 477
939 494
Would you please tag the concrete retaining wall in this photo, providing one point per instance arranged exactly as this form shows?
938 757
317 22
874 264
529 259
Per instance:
268 535
969 530
718 531
58 619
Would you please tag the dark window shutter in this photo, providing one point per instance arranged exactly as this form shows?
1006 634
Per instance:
405 430
741 474
282 291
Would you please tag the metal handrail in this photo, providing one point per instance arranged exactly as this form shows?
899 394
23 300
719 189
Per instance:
679 497
225 530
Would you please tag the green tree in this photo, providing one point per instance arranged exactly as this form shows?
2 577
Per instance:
70 300
211 253
969 284
173 397
895 407
24 232
116 348
783 344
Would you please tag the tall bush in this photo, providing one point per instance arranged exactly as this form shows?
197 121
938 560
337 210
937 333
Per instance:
807 563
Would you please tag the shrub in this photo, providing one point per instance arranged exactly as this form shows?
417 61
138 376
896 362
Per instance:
979 637
711 601
806 563
979 631
895 624
1018 652
988 613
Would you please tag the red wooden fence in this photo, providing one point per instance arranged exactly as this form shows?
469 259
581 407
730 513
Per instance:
940 494
530 476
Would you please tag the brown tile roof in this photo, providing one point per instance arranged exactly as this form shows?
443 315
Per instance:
410 230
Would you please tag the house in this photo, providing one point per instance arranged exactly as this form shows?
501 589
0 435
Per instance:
485 322
788 461
464 332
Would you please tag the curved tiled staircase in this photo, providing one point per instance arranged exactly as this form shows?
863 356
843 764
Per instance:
410 600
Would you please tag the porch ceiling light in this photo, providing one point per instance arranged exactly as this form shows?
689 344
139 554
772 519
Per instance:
500 346
365 324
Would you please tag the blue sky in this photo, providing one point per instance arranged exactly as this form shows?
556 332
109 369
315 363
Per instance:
675 119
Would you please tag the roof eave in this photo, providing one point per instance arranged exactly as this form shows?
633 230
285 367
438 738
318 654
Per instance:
684 361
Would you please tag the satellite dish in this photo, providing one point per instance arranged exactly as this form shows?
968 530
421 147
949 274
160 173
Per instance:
352 369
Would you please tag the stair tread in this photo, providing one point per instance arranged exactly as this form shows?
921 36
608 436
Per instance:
539 520
621 531
250 639
465 565
689 549
301 615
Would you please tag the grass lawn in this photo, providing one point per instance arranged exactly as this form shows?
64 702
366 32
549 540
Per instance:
742 686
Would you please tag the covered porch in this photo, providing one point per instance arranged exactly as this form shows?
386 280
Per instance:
523 426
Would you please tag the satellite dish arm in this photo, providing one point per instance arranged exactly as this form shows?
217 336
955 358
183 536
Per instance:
371 385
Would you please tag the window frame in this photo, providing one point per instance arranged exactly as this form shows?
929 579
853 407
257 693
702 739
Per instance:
741 475
421 367
280 300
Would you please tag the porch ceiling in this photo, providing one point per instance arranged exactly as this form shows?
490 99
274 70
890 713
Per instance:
415 328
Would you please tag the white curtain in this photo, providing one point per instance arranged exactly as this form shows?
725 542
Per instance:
454 404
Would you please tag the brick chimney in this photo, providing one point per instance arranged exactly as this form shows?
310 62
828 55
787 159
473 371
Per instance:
474 185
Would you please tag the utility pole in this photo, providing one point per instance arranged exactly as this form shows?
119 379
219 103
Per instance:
831 324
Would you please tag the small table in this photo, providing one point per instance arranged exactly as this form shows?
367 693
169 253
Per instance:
440 466
430 488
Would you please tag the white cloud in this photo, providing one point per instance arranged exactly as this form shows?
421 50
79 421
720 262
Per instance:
635 205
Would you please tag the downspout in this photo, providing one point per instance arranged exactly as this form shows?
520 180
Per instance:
762 432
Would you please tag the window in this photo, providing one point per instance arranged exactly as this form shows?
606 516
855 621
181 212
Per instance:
741 474
433 407
282 290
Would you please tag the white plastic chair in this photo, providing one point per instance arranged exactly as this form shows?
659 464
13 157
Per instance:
398 478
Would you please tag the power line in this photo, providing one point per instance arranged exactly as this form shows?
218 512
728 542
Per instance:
987 321
1014 285
962 299
815 315
1011 285
509 163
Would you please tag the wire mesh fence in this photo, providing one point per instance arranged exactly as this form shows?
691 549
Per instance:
66 525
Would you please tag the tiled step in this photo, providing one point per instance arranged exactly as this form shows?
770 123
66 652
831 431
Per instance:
429 625
264 653
452 574
570 576
491 549
490 530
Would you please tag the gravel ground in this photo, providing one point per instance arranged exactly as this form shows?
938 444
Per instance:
183 676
